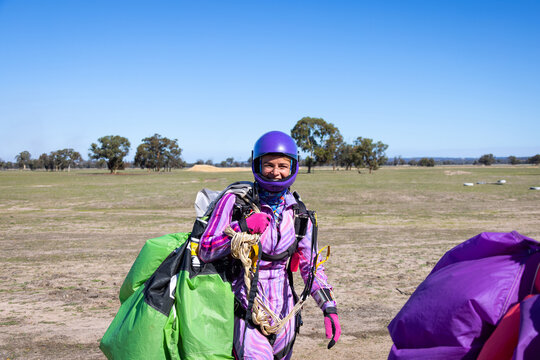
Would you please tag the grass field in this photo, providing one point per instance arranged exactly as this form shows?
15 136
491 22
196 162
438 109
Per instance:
68 239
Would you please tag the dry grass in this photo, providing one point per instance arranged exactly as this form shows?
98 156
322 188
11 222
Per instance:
69 239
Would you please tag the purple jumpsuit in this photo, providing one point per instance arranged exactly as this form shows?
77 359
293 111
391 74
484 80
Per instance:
273 284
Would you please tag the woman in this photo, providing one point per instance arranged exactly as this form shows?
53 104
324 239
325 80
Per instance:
274 166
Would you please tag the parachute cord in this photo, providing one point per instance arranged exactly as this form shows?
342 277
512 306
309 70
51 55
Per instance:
242 245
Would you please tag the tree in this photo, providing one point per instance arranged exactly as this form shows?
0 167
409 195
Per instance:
67 158
369 154
513 160
318 138
157 152
430 162
346 156
150 154
486 159
332 147
45 162
172 155
34 164
535 160
55 161
112 149
398 160
23 159
142 157
58 161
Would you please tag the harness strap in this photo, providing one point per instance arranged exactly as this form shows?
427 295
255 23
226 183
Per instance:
239 309
252 293
312 267
301 217
283 255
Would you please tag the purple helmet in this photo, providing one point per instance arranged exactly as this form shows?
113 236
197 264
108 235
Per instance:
274 142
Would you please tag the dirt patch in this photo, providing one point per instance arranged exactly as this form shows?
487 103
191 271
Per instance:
458 172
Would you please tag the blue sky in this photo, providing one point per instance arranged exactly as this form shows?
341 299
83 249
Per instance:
428 78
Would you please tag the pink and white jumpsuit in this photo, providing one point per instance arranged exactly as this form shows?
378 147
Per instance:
273 284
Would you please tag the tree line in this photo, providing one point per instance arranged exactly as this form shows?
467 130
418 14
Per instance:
154 153
489 159
321 140
54 161
486 159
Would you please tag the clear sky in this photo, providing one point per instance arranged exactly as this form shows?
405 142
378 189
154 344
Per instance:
428 78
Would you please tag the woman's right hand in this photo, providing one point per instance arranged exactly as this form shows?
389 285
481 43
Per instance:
257 222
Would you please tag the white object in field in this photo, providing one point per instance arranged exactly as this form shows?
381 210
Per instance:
534 188
468 184
501 182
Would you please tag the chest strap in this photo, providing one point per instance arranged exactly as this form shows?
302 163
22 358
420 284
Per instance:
301 218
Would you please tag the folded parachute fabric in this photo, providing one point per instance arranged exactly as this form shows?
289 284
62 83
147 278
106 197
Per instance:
170 311
150 257
520 326
528 346
458 306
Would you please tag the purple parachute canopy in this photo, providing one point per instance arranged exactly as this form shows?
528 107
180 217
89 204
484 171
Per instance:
456 308
528 346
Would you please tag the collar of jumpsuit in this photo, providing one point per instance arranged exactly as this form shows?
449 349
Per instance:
275 200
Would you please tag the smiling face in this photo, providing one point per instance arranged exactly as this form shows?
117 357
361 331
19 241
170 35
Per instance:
275 166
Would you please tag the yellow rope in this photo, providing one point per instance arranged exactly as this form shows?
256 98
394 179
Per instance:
245 246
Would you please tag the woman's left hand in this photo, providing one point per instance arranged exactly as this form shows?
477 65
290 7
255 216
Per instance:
331 325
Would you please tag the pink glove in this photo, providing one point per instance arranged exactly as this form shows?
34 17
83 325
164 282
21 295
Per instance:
331 325
257 222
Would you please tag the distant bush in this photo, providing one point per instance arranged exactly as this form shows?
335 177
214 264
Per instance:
535 160
426 162
487 159
513 160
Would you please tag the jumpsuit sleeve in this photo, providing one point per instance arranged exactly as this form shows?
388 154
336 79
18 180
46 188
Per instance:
321 291
214 243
